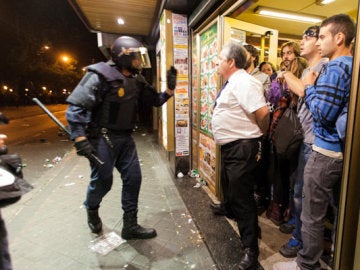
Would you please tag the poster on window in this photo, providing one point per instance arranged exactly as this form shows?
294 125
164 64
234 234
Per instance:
194 83
208 76
207 159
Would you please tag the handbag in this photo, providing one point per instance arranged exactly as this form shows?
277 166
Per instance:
288 133
12 183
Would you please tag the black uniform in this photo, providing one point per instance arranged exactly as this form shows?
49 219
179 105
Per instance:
103 108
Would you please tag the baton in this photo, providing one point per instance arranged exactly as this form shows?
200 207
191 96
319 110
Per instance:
91 156
50 114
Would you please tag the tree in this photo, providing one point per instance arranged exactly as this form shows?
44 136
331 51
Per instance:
25 27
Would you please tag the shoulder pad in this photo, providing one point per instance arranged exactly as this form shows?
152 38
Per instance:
110 73
84 94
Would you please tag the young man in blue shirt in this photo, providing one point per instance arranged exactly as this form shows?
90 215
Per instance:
326 94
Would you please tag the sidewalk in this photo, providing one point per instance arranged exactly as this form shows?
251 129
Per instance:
48 229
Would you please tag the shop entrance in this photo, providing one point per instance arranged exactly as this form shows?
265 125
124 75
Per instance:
262 38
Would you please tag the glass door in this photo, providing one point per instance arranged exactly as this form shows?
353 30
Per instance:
263 38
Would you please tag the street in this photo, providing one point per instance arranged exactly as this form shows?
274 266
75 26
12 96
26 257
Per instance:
36 137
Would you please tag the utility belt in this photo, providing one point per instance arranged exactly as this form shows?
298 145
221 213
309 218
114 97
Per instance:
95 132
115 132
107 133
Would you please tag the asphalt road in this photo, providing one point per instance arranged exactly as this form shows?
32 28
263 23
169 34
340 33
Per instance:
36 138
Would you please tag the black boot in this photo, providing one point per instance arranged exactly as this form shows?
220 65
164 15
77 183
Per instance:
132 230
94 220
220 209
249 260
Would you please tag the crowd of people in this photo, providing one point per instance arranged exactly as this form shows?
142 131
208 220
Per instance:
299 190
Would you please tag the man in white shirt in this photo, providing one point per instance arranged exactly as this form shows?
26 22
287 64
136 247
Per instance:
240 119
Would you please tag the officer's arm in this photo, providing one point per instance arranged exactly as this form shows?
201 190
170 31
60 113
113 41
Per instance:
81 101
85 93
77 118
153 98
149 94
171 85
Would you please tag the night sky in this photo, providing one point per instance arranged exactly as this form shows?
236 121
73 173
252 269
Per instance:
46 21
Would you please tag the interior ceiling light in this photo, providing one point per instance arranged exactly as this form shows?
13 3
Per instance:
120 21
324 2
287 15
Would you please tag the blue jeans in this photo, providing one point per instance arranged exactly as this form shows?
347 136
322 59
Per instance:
304 153
122 156
322 176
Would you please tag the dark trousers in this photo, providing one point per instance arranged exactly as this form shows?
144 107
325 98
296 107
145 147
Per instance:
283 169
123 156
305 151
5 261
322 178
238 177
263 185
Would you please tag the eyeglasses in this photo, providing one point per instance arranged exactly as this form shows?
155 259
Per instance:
311 33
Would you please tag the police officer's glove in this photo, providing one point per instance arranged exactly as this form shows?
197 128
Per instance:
171 78
84 148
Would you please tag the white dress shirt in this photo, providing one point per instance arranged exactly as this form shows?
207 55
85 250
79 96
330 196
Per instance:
233 116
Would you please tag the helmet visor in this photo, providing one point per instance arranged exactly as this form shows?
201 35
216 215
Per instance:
140 53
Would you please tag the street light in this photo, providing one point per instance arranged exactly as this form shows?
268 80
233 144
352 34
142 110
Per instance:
65 58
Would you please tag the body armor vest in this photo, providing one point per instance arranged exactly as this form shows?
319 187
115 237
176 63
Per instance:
118 107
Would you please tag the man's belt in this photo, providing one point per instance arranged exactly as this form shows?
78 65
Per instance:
241 141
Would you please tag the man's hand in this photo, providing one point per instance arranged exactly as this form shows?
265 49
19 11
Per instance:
84 148
171 78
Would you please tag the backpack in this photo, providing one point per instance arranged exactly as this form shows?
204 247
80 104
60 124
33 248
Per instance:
341 123
288 134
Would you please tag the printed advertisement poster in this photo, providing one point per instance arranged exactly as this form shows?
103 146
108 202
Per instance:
208 76
180 32
182 120
194 150
181 61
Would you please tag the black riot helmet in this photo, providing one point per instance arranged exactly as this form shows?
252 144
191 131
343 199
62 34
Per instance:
124 50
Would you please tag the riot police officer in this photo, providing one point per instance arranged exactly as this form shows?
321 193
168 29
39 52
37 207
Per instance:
101 116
